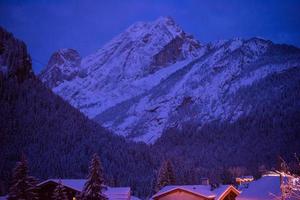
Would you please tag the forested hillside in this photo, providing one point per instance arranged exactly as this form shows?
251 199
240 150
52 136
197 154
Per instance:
58 140
250 144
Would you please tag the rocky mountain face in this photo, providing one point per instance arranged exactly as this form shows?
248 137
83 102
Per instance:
14 59
63 65
155 76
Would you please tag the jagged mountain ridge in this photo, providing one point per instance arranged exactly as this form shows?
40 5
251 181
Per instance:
134 50
154 76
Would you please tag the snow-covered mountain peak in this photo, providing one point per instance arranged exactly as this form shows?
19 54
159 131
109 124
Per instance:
144 52
170 24
168 20
162 25
154 75
142 49
64 56
63 64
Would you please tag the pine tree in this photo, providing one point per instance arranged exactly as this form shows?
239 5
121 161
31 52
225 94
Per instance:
23 186
165 176
94 186
59 192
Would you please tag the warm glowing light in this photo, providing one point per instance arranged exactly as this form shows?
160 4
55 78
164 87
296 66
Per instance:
244 179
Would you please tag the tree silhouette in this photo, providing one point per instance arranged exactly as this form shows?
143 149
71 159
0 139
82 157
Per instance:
165 175
94 186
23 186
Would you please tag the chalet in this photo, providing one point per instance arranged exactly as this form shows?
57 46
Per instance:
74 187
196 192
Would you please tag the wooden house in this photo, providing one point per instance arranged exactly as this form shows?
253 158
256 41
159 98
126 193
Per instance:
196 192
73 188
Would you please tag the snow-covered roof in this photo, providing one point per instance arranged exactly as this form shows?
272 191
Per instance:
134 198
200 190
222 189
78 185
267 187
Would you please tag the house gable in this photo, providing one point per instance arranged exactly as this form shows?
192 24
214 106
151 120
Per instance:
229 194
46 190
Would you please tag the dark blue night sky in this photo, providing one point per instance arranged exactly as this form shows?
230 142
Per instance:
86 25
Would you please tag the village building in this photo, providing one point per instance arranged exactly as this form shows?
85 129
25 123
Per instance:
196 192
73 188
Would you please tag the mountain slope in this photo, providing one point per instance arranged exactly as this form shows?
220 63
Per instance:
251 143
155 76
57 138
130 59
202 91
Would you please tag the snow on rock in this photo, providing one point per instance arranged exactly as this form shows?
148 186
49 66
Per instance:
63 65
154 76
115 70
